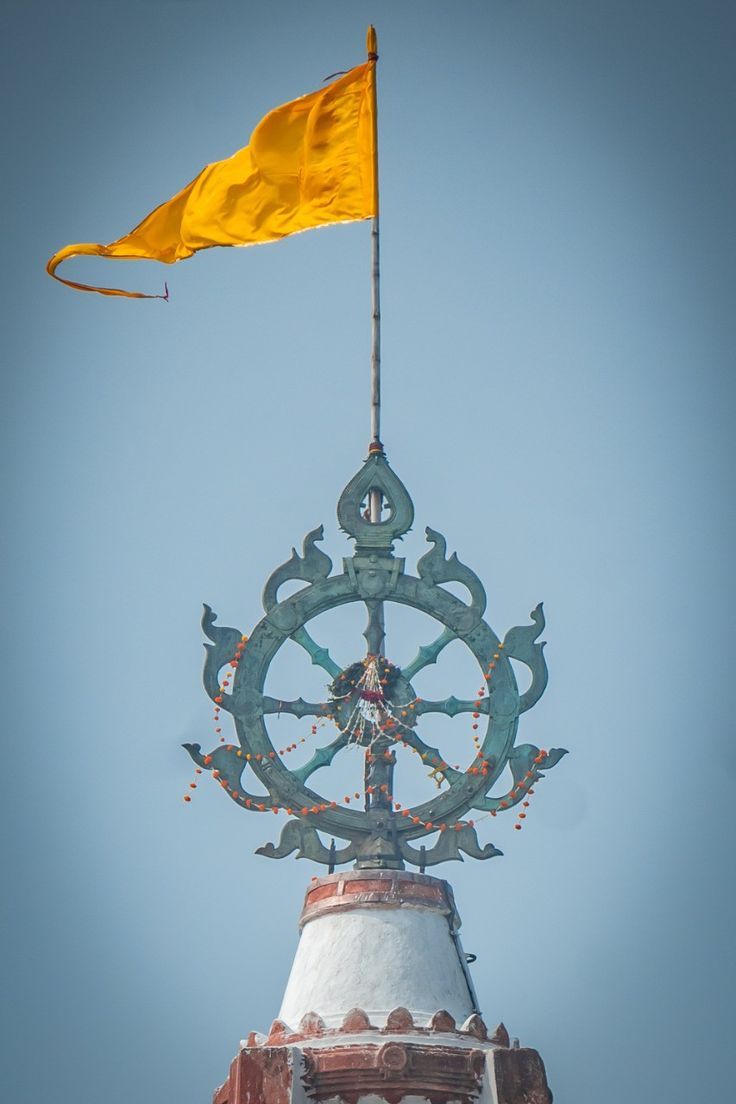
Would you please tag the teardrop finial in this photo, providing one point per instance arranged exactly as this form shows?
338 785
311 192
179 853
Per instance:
375 536
371 43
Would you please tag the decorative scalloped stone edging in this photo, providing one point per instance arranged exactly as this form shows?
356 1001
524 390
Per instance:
399 1022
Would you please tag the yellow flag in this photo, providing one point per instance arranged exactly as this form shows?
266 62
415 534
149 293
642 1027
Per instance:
310 163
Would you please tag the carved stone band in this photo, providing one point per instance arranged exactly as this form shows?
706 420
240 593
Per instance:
360 889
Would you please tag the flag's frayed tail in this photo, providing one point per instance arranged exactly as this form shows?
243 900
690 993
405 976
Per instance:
93 249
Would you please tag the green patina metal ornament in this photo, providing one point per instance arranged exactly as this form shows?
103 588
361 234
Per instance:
371 701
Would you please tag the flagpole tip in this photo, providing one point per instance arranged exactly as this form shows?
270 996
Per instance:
371 43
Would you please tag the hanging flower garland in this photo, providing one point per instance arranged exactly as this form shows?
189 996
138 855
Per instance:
373 718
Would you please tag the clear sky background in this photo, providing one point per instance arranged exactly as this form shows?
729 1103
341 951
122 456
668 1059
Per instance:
558 274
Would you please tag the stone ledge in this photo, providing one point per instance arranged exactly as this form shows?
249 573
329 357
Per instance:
390 1070
399 1022
377 888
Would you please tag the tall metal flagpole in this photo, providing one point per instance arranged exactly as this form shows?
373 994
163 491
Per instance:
375 633
375 503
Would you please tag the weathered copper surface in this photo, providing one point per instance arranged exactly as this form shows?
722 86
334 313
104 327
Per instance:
379 835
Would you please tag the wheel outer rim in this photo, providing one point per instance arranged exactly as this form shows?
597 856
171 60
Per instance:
296 611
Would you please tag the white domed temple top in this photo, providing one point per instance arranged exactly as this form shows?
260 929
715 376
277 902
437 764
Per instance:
378 940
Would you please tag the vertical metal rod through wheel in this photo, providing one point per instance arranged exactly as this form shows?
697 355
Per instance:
375 499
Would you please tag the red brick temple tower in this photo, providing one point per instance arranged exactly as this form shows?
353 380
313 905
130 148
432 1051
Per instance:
380 1006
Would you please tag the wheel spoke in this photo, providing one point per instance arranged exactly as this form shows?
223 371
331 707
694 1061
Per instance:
430 755
299 708
452 706
320 656
322 757
375 633
428 653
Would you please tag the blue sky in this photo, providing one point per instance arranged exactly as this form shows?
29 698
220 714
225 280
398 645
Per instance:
557 188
